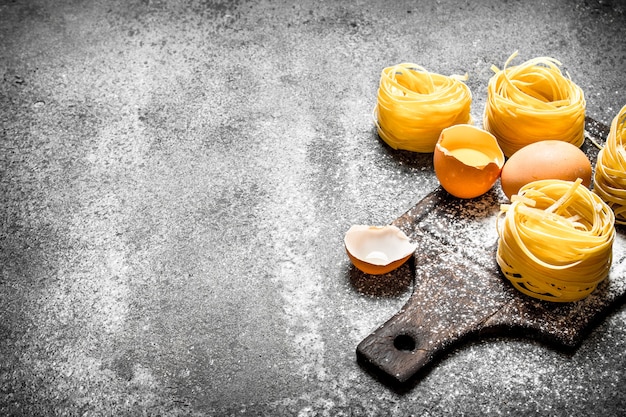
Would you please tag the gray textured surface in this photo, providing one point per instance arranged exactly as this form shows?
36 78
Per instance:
175 182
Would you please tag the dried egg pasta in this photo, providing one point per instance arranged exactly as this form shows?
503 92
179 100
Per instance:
610 174
555 240
531 102
415 105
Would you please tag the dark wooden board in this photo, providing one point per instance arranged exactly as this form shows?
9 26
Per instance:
459 292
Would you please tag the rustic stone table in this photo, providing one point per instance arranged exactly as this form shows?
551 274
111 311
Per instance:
176 181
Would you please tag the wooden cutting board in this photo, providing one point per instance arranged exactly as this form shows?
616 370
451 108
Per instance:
460 294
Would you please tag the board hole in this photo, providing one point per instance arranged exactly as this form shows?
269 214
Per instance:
404 342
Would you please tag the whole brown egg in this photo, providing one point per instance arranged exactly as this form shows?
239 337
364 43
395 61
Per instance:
548 159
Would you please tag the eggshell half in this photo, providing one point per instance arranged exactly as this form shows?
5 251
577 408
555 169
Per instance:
467 161
378 249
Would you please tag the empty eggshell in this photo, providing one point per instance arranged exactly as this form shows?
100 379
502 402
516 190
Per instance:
378 249
467 160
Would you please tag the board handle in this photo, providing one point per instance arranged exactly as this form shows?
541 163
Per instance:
398 349
440 314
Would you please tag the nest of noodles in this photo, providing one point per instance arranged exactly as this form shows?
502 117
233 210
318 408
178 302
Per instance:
415 105
555 240
610 174
531 102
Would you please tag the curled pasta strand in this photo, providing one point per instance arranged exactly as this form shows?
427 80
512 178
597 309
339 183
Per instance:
531 102
415 105
547 255
610 172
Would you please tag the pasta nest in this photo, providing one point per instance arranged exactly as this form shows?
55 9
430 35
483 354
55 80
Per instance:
610 172
555 240
531 102
415 105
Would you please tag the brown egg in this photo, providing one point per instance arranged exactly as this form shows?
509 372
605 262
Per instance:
543 160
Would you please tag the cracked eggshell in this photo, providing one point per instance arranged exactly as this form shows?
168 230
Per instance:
378 250
467 160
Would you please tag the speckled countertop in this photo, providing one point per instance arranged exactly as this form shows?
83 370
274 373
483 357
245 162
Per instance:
176 180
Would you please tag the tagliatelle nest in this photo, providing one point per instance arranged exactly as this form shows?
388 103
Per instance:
555 240
415 105
610 174
531 102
